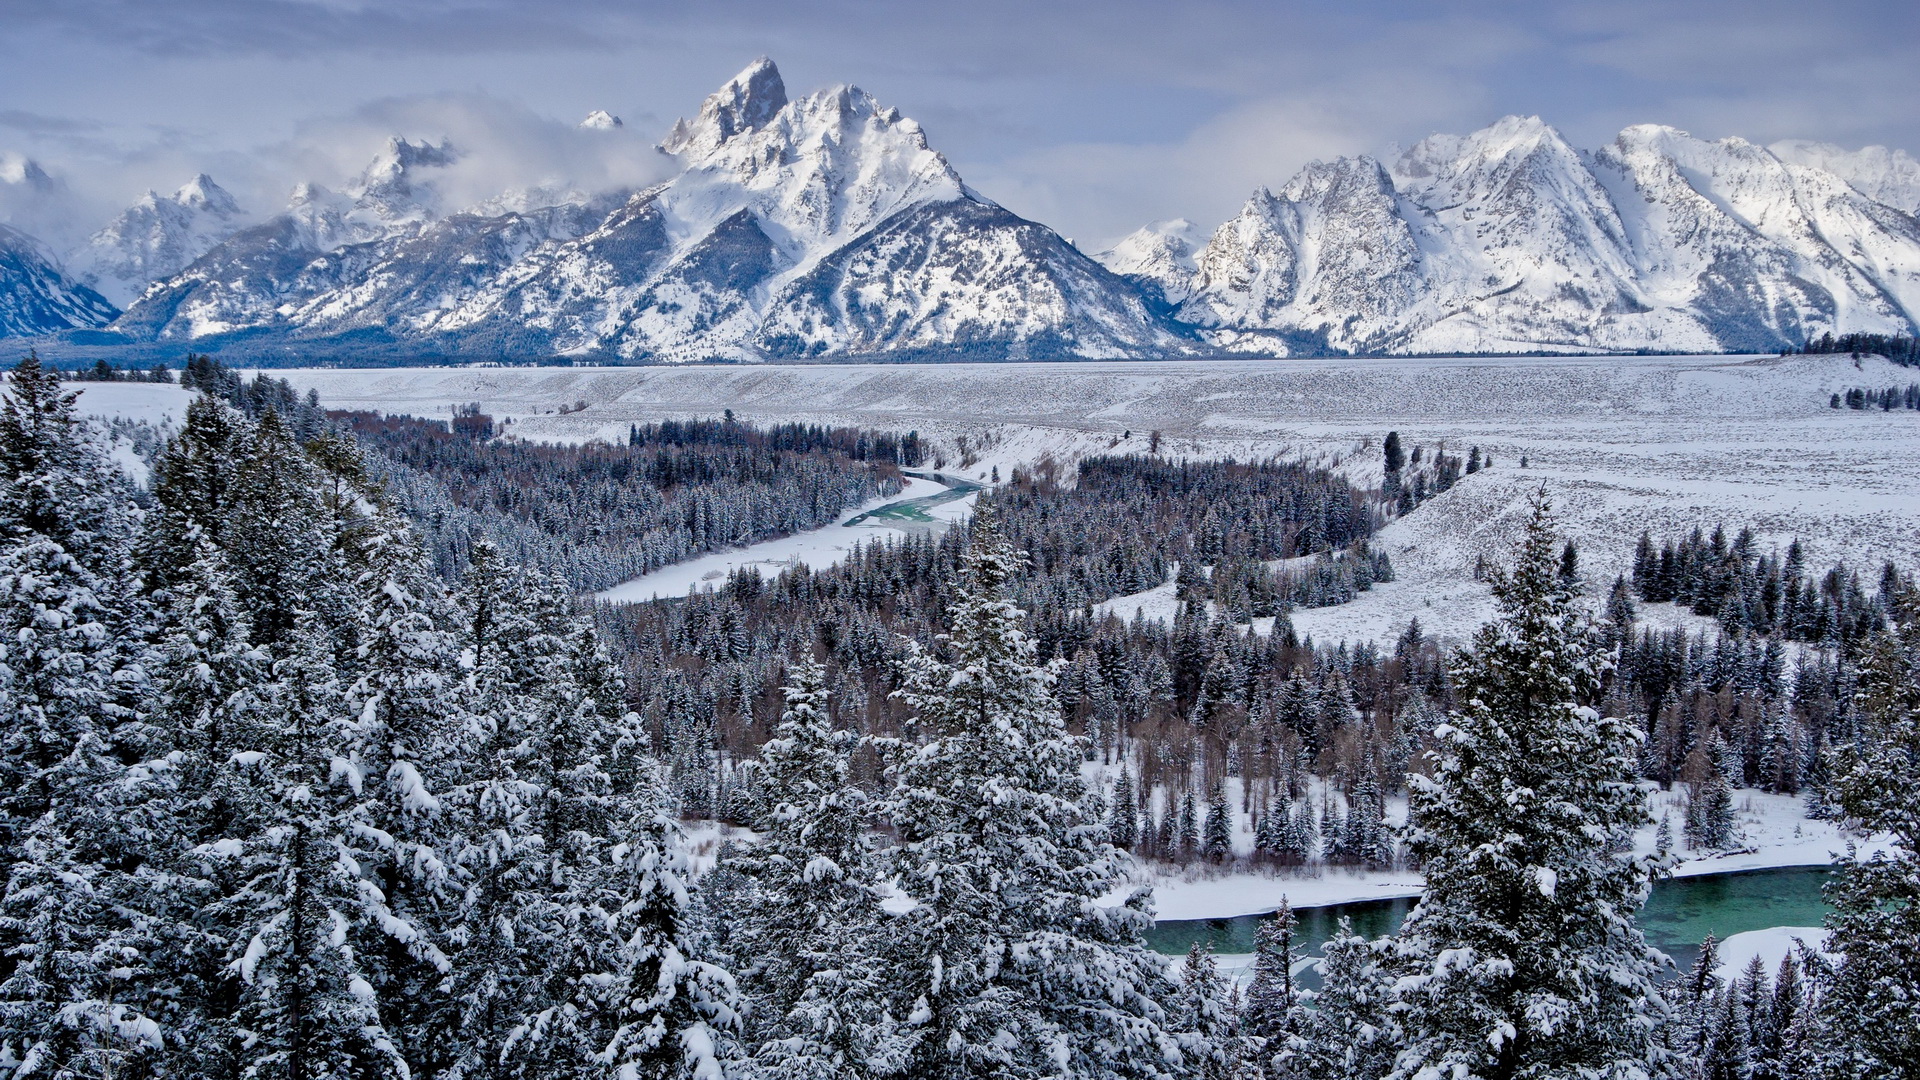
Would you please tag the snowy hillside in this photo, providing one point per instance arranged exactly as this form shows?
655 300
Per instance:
824 225
1512 240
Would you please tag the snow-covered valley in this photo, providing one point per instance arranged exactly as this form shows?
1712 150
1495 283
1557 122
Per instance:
1621 444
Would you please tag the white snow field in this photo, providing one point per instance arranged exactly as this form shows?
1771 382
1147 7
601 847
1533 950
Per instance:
1620 443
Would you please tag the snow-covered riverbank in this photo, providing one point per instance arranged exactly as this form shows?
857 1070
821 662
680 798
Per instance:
817 548
1775 832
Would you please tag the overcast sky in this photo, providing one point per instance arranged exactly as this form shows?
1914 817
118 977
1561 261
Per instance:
1093 117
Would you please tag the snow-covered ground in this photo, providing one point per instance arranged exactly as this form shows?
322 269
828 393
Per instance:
1770 945
156 403
1621 444
817 548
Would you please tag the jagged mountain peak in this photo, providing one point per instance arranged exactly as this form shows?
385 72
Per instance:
23 170
602 120
154 238
394 172
1505 143
201 193
744 104
1158 256
1320 176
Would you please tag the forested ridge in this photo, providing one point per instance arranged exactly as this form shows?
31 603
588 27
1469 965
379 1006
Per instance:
278 798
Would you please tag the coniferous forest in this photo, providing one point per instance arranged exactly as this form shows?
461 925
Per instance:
316 766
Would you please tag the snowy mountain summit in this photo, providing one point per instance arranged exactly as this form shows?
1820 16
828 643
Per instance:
1511 240
819 226
155 238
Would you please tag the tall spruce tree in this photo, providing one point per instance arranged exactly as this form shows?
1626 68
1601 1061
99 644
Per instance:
1007 965
1522 958
1871 998
801 938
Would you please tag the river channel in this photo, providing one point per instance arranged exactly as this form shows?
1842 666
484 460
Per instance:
1680 913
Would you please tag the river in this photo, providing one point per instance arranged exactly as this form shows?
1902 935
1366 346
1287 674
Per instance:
1679 914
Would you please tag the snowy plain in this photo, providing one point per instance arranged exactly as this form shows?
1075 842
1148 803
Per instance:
1621 444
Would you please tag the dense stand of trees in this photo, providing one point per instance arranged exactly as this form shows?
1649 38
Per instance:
1893 397
1766 593
1902 349
601 514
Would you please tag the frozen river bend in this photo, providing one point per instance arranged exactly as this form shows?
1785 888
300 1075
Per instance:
1622 443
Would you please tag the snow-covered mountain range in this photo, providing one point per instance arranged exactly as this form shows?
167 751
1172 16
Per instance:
1510 240
827 227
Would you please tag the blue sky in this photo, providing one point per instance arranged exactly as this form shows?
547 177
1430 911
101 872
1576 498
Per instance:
1093 117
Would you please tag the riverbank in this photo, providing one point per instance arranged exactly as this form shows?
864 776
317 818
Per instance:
1775 832
817 548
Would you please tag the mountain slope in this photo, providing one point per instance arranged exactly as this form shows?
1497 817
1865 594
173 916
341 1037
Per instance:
156 238
36 298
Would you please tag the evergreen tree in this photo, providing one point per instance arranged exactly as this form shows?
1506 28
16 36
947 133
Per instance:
676 1010
1202 1011
1006 965
1872 998
1216 844
1522 958
798 944
1273 1001
1344 1036
1123 824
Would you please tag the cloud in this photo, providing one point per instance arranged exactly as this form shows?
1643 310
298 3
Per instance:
500 146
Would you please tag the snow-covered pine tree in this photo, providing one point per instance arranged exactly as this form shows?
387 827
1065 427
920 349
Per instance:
1202 1013
676 1010
1216 842
1123 821
1710 820
801 946
534 931
403 743
309 1008
1009 964
1871 999
55 482
1186 836
1522 957
1273 1001
77 956
1344 1035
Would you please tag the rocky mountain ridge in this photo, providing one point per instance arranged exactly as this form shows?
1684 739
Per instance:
827 227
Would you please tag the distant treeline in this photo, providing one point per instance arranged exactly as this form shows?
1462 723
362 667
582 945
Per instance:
1893 397
1751 592
859 444
1902 349
601 514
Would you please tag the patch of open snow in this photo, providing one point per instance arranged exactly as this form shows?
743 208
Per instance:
156 403
1770 945
817 548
